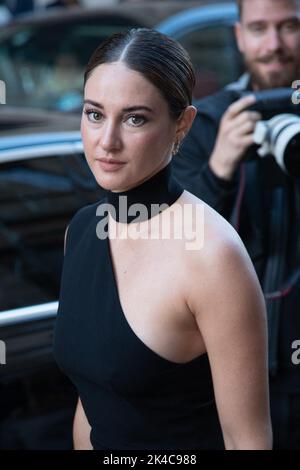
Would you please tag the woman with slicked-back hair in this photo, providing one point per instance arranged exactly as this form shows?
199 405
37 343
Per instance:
161 322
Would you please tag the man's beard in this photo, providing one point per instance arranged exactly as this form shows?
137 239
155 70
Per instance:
273 79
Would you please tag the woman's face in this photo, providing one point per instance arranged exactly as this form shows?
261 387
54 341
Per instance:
126 127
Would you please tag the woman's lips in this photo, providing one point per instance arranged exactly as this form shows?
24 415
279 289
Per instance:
110 165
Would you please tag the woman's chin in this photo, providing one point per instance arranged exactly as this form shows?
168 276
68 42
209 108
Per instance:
108 184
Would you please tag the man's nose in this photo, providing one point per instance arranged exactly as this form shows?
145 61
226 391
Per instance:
110 138
273 40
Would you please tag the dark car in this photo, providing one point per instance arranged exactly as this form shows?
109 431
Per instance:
42 57
44 180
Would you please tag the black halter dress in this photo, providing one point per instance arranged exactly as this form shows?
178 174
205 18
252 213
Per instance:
133 398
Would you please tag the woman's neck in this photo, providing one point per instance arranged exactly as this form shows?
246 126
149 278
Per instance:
145 200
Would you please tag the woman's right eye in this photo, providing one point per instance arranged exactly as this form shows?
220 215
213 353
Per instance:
93 115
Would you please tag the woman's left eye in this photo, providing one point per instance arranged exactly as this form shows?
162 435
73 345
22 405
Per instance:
93 115
136 120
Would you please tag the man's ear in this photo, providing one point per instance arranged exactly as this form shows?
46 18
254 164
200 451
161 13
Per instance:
185 122
239 36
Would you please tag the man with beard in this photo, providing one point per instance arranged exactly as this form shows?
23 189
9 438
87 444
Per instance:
260 200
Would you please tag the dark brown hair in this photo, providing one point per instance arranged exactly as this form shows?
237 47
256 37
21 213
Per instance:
160 59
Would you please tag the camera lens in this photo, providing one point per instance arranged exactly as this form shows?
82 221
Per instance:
284 137
292 156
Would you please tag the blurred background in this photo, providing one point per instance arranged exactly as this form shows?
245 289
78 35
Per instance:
44 179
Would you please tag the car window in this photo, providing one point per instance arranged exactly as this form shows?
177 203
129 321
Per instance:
43 66
214 55
38 197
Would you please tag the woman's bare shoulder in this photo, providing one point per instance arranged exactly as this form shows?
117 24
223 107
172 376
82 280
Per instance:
220 276
220 261
218 234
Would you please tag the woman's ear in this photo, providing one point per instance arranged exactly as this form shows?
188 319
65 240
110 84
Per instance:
185 122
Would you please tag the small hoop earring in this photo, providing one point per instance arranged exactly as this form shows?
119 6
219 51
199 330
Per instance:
176 147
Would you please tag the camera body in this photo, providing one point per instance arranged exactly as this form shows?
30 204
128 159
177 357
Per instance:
278 133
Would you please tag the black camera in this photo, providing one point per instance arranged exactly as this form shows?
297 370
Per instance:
278 133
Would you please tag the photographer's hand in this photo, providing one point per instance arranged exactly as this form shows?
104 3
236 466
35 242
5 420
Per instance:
234 137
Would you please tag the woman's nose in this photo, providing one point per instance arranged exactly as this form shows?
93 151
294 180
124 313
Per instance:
110 138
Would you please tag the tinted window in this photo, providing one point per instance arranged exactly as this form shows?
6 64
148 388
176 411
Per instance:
38 197
215 57
43 65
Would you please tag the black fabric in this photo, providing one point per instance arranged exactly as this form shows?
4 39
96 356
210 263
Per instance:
133 398
289 322
156 194
285 412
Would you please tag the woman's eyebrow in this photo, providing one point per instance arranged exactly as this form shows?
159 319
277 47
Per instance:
129 109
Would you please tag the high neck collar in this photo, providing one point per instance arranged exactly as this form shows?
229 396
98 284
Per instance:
159 190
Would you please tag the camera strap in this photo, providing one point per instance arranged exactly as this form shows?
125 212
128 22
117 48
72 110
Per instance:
277 241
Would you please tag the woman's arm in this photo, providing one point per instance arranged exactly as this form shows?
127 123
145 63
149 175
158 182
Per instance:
81 429
229 308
